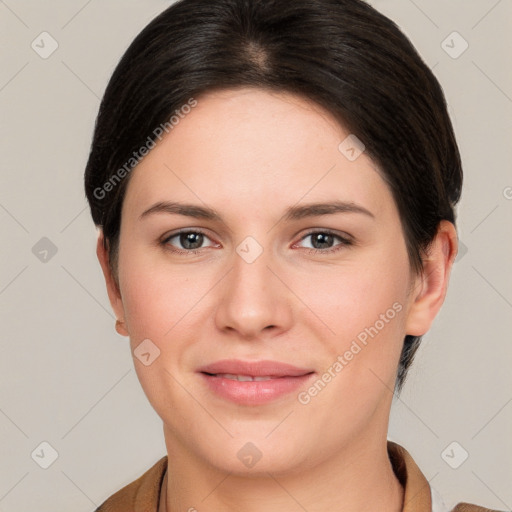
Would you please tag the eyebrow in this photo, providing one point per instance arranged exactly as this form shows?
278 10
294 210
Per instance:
292 213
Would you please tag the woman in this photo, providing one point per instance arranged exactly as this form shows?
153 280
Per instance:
274 184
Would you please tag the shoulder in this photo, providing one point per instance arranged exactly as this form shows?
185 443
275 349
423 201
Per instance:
468 507
419 496
142 494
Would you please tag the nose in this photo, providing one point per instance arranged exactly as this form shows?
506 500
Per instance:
254 302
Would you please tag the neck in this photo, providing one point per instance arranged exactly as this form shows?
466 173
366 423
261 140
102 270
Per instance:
358 478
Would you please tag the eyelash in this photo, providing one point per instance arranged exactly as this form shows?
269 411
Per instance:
344 242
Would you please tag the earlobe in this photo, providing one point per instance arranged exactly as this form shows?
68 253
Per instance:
429 294
114 293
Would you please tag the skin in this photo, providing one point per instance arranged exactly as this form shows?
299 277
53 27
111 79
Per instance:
250 154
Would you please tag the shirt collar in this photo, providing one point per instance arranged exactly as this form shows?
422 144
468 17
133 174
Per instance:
417 493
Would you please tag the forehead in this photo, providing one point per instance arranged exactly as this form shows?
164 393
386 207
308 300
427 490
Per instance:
251 146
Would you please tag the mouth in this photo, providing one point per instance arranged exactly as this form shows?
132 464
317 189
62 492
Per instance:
263 368
241 378
253 382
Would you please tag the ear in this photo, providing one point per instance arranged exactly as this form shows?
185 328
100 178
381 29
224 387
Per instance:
114 294
430 289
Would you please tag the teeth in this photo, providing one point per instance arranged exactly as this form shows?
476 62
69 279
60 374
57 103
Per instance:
242 378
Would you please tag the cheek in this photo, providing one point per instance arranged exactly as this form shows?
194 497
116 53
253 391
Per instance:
351 298
160 304
168 304
364 307
156 301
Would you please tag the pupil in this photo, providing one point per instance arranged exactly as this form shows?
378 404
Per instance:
324 239
191 240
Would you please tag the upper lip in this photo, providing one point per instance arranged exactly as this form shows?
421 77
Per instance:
254 368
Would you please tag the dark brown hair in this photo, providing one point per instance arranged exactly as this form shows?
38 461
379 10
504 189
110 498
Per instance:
342 54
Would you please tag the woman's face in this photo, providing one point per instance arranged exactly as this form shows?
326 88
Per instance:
252 283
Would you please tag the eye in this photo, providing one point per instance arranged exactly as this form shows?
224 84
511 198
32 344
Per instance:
190 241
322 241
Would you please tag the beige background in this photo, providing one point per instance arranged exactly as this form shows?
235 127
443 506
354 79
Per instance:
67 378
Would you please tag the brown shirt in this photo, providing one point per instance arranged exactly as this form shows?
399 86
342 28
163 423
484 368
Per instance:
143 494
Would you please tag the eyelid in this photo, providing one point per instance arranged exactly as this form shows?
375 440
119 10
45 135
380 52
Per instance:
179 231
345 238
165 239
343 235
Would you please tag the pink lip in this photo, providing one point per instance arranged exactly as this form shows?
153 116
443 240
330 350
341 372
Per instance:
254 368
285 379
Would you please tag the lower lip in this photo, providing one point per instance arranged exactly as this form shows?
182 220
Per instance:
254 392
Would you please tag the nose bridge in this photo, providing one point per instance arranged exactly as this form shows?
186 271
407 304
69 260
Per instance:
250 280
253 298
251 273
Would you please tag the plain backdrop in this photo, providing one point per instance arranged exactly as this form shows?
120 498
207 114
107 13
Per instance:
67 378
